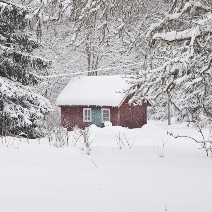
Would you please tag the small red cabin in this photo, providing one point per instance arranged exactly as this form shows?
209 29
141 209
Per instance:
96 99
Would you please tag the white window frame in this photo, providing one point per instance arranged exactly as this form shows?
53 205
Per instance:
102 114
87 109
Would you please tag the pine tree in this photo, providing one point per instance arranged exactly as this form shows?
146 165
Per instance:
21 108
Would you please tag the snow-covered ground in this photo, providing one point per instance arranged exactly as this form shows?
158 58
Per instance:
38 177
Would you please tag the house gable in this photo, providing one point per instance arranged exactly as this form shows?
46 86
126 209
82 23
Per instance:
132 116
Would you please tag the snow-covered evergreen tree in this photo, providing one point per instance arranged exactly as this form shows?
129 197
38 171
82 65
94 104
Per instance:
21 108
179 65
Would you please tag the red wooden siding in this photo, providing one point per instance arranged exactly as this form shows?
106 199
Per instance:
125 115
73 115
132 116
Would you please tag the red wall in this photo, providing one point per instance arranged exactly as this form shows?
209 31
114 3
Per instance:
73 115
132 116
125 115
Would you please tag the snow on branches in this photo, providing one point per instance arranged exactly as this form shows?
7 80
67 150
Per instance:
180 61
26 112
20 105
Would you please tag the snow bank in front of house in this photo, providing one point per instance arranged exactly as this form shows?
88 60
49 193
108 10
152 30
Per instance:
94 90
149 126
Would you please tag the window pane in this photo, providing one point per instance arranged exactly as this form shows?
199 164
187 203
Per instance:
87 114
105 118
105 115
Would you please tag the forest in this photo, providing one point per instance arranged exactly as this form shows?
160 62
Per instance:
163 47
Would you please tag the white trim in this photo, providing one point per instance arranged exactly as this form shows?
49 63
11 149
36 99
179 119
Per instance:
87 109
102 113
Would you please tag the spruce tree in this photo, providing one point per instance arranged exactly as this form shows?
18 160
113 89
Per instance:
21 108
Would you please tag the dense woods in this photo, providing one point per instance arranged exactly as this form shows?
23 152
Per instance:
179 64
164 47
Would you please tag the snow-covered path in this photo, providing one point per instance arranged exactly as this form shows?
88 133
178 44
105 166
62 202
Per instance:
39 177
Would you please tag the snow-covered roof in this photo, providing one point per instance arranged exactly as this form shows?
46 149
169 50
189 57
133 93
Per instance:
94 90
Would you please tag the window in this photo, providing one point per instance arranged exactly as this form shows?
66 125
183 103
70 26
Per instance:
87 115
105 115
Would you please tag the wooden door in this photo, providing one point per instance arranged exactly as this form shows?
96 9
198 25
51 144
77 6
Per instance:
96 117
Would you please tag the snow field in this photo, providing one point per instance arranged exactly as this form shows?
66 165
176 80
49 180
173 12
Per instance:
41 177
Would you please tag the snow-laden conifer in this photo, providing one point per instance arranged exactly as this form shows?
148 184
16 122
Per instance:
21 108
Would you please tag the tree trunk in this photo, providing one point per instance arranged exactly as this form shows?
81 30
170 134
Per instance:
169 110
